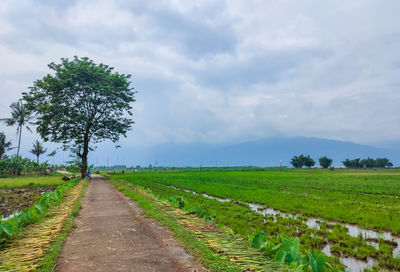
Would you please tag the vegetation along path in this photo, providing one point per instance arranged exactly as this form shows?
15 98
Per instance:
112 235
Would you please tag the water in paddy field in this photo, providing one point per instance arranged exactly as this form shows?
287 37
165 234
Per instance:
352 264
14 200
11 216
327 250
355 265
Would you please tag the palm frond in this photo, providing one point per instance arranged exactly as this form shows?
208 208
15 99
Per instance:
20 117
8 121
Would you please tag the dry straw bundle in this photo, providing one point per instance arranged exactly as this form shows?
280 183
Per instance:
24 254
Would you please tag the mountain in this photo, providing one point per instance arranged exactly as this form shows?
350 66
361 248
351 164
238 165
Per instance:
388 144
265 152
270 151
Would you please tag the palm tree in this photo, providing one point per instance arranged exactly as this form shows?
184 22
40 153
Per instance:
20 116
38 150
4 145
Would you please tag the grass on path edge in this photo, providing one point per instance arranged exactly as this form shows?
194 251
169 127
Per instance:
211 260
51 255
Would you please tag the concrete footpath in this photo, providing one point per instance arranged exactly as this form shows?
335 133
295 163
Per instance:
112 235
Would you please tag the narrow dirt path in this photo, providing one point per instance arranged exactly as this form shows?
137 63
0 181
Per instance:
112 235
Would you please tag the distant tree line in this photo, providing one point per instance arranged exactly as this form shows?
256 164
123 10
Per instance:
367 163
112 167
17 166
325 162
306 161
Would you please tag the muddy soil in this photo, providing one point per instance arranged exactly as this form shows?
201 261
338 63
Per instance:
17 199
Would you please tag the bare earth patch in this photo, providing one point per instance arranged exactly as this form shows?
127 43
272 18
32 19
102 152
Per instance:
112 235
17 199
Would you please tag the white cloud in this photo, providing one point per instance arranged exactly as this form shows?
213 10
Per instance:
223 71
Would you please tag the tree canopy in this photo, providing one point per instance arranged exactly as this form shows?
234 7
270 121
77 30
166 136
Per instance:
367 163
4 144
325 162
37 150
81 104
300 161
20 116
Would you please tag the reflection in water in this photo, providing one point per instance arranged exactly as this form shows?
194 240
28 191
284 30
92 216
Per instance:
327 250
374 244
312 223
11 216
351 263
355 265
217 198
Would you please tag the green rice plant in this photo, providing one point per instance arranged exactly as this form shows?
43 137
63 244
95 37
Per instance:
340 195
312 191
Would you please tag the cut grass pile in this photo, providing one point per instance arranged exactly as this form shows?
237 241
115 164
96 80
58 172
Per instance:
26 252
49 259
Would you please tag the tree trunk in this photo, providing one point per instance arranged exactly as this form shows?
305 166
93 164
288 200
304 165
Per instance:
37 159
84 156
19 141
84 166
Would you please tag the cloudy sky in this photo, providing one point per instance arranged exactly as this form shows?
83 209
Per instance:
222 71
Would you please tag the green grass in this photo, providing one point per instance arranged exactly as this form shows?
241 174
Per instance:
49 260
367 198
210 259
37 181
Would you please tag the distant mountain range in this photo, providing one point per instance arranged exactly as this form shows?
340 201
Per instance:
266 152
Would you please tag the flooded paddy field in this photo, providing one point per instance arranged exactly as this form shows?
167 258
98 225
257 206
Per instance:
16 199
353 217
18 193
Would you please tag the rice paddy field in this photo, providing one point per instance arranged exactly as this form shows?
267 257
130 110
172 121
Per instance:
18 193
31 181
352 216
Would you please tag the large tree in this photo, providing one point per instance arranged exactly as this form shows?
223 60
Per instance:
37 150
355 163
81 104
325 162
4 144
300 161
20 116
382 163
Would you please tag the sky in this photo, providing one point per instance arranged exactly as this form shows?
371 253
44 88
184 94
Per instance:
221 71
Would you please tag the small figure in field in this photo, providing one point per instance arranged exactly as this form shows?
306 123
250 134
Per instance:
135 170
88 175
